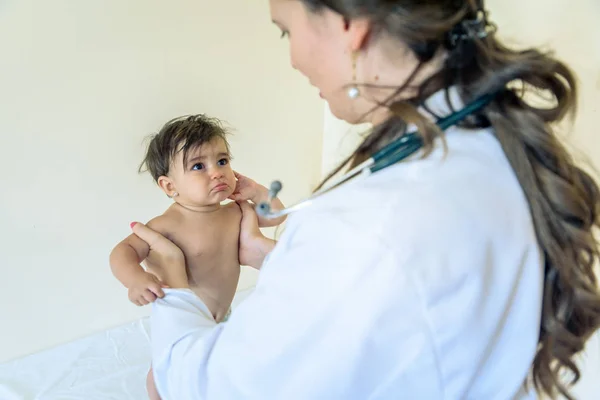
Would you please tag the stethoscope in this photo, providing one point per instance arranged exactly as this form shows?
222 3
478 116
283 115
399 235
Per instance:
394 152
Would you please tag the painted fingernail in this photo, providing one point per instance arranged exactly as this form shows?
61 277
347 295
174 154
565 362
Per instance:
132 224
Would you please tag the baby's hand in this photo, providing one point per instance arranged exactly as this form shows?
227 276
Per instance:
146 289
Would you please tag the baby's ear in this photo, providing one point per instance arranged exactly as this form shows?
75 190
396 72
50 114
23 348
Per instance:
167 186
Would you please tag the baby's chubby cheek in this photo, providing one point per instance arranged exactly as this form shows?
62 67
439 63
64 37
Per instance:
232 184
231 189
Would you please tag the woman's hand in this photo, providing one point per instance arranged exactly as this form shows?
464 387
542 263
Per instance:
254 246
165 255
247 189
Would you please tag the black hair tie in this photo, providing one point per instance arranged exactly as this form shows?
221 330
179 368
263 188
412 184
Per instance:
470 30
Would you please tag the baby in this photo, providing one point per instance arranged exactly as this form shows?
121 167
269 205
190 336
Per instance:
190 161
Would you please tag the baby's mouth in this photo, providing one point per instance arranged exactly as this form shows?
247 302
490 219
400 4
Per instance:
220 187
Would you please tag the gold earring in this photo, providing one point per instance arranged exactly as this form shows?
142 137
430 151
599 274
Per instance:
353 91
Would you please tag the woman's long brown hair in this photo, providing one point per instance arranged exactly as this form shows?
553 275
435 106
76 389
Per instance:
564 199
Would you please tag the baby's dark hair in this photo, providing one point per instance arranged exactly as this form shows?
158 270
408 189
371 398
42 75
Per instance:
183 134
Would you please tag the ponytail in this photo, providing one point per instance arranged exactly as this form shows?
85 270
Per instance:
564 202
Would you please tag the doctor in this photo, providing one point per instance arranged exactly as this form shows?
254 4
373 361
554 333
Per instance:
456 274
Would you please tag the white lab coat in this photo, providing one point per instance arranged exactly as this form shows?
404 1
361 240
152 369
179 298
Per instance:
423 281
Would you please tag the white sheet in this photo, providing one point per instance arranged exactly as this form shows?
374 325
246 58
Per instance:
112 365
108 365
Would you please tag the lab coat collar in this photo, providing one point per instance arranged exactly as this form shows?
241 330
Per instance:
438 105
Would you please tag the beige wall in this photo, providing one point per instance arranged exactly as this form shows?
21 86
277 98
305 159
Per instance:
571 27
81 84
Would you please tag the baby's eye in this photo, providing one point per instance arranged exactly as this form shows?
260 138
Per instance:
197 167
223 161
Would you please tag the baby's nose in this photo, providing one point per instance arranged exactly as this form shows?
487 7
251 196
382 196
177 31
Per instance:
216 173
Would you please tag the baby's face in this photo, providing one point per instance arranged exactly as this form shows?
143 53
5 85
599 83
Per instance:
206 178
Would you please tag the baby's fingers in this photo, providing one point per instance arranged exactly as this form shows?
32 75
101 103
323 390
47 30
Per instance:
156 290
140 301
148 296
135 299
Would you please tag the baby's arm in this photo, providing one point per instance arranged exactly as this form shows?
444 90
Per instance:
126 257
125 260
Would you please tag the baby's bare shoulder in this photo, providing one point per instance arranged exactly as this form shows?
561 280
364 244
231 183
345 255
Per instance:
164 224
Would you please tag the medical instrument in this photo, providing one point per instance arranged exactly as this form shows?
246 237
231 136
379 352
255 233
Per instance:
394 152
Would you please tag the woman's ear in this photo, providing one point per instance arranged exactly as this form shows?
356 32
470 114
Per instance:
167 185
359 30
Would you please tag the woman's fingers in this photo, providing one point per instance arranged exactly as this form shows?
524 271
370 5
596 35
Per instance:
246 207
238 197
159 245
247 211
254 246
165 255
148 235
249 224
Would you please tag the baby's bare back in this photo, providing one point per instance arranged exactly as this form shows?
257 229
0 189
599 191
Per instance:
209 242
